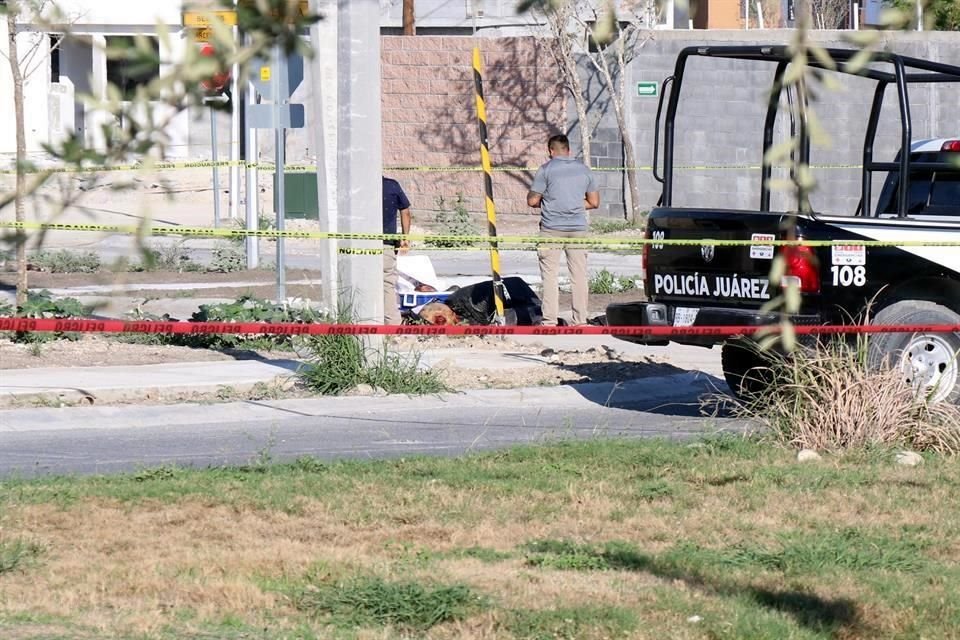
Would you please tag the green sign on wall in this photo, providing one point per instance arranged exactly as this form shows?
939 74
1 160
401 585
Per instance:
647 89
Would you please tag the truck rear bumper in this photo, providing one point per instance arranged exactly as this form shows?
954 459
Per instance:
654 314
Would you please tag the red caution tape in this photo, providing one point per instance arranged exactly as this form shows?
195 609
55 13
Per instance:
91 325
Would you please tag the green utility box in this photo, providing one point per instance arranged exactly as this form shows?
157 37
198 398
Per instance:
300 195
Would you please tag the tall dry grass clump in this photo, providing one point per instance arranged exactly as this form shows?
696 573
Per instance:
827 398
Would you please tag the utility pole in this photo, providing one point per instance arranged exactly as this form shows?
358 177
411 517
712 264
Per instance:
409 18
360 158
235 135
322 36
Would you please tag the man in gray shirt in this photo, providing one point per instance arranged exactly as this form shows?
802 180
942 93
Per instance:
564 189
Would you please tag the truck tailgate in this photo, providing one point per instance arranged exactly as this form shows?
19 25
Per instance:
735 276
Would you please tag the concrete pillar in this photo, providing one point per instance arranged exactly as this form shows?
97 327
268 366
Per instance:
179 128
98 90
322 122
360 156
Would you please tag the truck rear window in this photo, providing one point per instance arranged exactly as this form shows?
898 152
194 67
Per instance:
931 192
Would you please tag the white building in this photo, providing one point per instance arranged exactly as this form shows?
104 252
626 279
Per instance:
59 73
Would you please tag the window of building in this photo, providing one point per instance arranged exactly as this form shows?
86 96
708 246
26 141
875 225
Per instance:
127 72
56 40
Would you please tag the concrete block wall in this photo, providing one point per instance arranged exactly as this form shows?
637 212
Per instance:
720 119
429 116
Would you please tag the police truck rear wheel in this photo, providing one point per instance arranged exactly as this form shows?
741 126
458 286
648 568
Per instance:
929 361
745 368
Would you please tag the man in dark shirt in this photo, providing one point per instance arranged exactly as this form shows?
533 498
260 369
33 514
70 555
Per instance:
394 201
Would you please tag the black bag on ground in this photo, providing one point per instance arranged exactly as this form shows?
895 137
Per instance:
474 304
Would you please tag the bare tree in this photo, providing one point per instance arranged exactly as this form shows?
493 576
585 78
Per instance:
14 59
591 30
563 44
24 64
14 9
827 14
616 43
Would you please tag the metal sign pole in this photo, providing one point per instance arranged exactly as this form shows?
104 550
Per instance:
279 71
213 155
216 171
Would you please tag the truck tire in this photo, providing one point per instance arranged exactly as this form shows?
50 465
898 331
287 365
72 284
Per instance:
929 361
745 368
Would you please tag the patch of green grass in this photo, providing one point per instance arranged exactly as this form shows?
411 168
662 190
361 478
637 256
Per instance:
564 555
753 543
810 553
571 623
797 553
483 554
369 601
340 363
655 489
17 554
612 225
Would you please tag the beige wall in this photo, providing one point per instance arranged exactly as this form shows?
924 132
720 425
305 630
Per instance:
429 115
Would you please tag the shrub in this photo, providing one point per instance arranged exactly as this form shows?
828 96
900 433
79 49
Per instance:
335 364
247 309
43 305
825 397
605 282
166 257
66 261
228 257
243 309
453 223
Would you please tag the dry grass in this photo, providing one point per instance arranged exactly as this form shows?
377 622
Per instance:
221 554
826 398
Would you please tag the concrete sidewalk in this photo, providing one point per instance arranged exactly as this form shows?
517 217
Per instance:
98 385
111 384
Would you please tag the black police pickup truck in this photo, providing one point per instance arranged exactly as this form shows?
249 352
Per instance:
912 284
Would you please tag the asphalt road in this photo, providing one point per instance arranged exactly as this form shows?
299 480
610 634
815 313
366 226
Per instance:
446 263
100 440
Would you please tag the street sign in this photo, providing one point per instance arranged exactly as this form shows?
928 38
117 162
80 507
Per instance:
204 34
873 12
647 89
264 71
270 116
206 18
229 17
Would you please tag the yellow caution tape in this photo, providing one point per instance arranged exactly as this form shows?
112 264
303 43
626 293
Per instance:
209 232
359 252
306 168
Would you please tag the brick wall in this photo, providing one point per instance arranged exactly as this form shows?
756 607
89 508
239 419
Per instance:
429 116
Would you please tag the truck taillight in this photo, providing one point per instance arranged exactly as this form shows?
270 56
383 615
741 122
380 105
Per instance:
802 269
645 260
951 145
